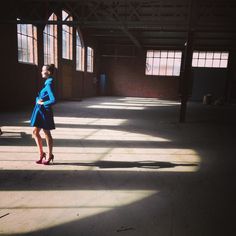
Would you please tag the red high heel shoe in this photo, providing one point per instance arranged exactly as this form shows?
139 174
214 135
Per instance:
40 161
49 160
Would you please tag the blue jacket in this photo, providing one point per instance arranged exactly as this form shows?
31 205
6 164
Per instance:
42 115
47 94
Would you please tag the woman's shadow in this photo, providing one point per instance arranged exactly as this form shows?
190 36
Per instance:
126 164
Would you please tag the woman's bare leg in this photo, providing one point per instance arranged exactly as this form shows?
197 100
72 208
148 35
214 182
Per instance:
38 140
49 141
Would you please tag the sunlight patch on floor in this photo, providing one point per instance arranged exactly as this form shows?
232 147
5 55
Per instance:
89 140
135 104
104 134
124 106
154 101
87 121
86 158
26 211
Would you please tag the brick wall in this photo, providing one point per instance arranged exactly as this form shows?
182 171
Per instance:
126 77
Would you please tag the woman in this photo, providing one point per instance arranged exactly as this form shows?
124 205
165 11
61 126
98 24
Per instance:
42 116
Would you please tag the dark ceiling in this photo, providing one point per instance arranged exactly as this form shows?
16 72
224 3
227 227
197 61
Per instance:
143 23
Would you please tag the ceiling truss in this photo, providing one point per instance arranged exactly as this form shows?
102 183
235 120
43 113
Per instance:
133 19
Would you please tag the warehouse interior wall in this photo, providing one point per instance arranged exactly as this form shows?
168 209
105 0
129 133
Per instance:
123 65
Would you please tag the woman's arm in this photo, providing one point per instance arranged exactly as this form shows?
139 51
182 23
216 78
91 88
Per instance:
52 99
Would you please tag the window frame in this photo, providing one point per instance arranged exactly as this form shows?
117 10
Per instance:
27 33
80 59
50 34
90 59
163 63
203 59
67 37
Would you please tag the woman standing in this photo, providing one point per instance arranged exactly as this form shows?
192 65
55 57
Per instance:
42 116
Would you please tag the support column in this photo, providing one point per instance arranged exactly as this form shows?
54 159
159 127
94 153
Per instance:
187 66
228 86
187 77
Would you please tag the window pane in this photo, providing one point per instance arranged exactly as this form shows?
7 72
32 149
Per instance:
201 62
194 62
163 62
24 42
171 54
149 53
202 55
156 66
156 54
24 56
209 63
20 54
64 15
78 41
18 28
31 50
19 41
176 69
195 55
225 55
149 62
50 42
89 59
209 55
30 30
67 36
216 63
169 68
79 58
163 54
24 29
89 51
178 54
223 63
217 55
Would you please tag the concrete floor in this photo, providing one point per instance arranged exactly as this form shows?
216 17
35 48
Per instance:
123 166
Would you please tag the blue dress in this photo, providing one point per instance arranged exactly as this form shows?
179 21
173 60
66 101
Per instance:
42 115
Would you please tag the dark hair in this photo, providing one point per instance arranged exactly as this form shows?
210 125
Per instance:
50 68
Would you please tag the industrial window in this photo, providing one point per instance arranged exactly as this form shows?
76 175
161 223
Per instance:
27 43
67 36
50 42
79 53
165 63
210 59
89 59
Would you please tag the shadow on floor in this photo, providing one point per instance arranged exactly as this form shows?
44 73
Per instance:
127 164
